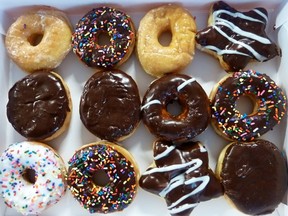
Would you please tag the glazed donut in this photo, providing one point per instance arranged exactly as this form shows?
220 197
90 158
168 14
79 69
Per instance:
269 105
114 113
39 40
32 177
254 176
111 191
235 37
117 25
181 175
156 59
39 106
185 90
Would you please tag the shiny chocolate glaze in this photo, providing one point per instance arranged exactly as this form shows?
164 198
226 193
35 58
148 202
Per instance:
237 36
195 114
181 175
38 105
110 105
254 176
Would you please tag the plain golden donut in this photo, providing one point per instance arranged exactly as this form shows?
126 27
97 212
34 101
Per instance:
156 59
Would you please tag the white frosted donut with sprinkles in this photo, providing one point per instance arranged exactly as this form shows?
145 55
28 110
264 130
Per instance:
32 177
269 105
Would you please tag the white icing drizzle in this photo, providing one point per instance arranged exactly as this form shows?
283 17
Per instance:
182 208
202 149
164 153
222 52
185 83
150 103
261 14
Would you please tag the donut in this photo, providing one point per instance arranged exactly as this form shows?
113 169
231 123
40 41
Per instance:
181 175
116 25
254 176
194 116
39 106
32 177
110 191
235 38
269 103
39 40
110 105
157 59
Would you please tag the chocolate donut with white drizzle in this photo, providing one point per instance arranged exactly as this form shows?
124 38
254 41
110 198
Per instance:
181 175
236 37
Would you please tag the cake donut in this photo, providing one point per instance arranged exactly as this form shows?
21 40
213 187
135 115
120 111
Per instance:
32 177
185 90
235 37
254 176
157 59
39 40
110 191
39 106
269 103
110 105
181 175
114 24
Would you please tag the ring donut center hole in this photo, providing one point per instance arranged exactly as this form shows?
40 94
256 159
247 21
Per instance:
165 38
103 39
174 108
29 175
245 104
100 178
35 39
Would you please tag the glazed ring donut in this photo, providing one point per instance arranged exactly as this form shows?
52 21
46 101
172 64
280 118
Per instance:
269 105
195 114
32 177
39 106
118 26
156 59
114 113
39 40
254 176
103 177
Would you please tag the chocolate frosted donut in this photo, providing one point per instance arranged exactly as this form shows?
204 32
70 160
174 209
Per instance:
110 105
39 106
235 37
104 20
195 114
254 176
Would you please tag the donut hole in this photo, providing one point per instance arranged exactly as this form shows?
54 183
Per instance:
246 105
29 175
35 39
174 107
103 39
165 38
100 178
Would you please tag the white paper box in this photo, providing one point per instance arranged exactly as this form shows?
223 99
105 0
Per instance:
140 143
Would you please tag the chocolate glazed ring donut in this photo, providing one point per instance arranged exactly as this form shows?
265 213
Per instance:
117 25
195 114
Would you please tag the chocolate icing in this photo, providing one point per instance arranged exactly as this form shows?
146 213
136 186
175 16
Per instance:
235 43
110 105
175 184
38 105
195 113
254 176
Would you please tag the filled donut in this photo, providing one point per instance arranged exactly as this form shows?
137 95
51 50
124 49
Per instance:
32 177
103 177
108 21
157 59
39 106
181 175
39 40
195 111
269 105
110 105
254 176
235 38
